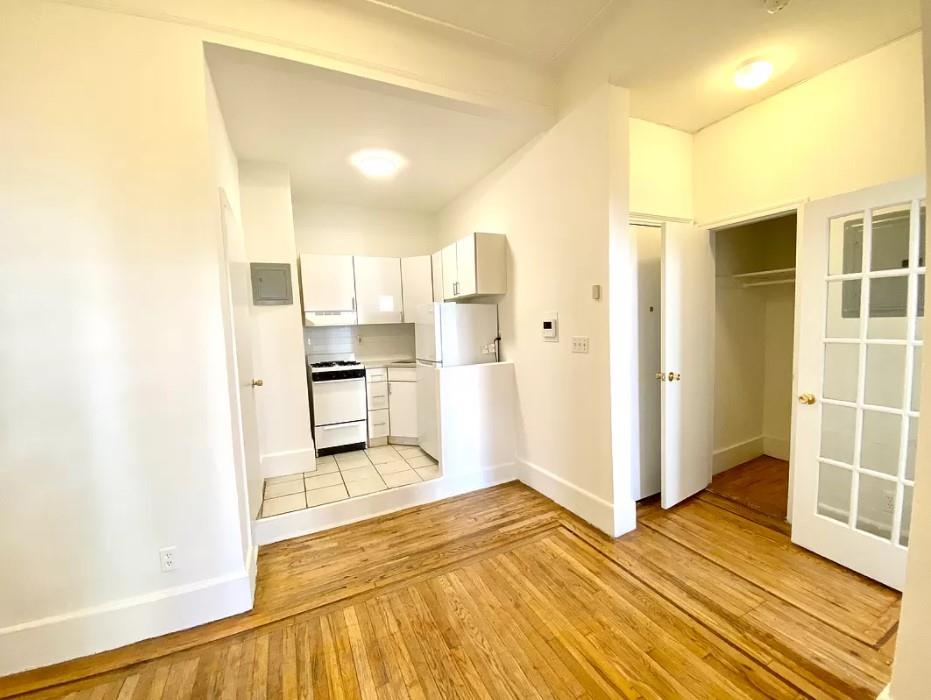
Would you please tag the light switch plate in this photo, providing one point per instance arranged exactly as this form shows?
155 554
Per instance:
580 343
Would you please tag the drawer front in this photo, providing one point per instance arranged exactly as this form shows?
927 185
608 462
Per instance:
378 390
402 374
376 374
341 434
377 403
378 424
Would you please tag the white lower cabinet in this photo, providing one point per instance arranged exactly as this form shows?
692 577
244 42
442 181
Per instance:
402 409
378 424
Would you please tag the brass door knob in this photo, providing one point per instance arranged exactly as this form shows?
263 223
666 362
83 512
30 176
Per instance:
674 376
807 399
258 382
661 376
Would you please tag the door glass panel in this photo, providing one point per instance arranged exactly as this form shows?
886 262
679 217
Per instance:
888 307
910 448
834 492
838 425
920 321
879 446
916 377
843 312
907 494
846 245
891 228
875 505
841 371
885 375
921 236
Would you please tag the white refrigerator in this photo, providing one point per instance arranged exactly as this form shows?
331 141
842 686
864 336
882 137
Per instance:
448 335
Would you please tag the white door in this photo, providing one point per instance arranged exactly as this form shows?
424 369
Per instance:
416 284
327 283
402 409
860 283
378 290
450 271
465 266
687 361
239 289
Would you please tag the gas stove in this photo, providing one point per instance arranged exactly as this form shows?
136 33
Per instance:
336 369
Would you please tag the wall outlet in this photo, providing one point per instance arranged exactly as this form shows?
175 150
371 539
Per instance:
580 343
169 558
889 502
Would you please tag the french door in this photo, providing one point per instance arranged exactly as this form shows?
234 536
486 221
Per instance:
860 283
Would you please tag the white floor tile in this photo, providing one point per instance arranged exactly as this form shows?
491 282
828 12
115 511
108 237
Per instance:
283 504
397 466
328 494
350 460
322 481
283 488
282 479
328 459
383 454
408 476
426 473
324 468
424 461
363 486
358 474
408 451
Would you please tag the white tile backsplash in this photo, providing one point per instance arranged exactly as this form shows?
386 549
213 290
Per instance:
388 340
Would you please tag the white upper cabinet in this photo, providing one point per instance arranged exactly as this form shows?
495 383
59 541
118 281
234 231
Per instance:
328 290
378 290
475 265
416 284
436 262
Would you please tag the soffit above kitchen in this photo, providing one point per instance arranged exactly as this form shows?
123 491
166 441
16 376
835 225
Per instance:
313 120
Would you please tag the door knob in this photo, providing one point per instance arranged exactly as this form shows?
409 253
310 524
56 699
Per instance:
807 399
258 382
674 376
661 376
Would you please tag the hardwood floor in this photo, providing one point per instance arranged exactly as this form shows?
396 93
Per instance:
501 593
761 484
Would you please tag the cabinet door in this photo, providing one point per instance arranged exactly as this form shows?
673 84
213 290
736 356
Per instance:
402 409
378 289
416 283
436 262
327 282
450 271
465 265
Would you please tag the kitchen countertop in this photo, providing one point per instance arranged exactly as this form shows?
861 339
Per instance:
389 362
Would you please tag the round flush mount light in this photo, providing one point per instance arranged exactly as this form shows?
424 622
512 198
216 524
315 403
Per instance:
377 163
753 73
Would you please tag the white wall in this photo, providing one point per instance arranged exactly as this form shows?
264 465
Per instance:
116 436
660 170
910 669
346 229
856 125
285 439
551 200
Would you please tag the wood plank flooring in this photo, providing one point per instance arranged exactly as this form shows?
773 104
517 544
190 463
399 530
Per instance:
501 593
761 484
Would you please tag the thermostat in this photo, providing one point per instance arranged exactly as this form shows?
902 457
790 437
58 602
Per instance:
551 326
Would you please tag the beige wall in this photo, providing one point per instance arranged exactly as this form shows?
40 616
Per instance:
856 125
660 170
913 646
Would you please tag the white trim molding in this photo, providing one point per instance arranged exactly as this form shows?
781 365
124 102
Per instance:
738 453
91 630
289 462
591 508
886 693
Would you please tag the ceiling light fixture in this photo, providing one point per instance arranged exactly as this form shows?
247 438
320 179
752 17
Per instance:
377 163
753 73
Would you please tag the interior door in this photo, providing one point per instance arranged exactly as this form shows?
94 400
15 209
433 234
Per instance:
687 375
239 288
861 276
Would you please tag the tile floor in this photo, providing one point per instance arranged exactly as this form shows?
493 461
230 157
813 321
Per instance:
349 474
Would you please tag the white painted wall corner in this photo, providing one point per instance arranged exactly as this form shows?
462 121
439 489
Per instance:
586 505
732 455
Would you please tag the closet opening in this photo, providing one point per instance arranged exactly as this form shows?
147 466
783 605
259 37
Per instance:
754 350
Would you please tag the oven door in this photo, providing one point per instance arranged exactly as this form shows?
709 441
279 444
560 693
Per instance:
339 401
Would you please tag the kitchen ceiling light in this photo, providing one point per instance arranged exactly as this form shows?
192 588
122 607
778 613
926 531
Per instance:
377 163
752 74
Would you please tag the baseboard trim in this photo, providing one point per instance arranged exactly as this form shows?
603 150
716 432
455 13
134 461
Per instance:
289 462
776 447
586 505
732 455
71 635
886 693
325 517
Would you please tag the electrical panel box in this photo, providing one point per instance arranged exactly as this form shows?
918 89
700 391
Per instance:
271 284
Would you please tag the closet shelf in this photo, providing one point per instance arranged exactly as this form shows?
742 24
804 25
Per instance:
766 278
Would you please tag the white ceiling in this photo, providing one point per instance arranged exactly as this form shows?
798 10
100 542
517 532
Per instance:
676 56
313 119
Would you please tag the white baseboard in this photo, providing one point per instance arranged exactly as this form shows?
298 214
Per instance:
252 567
290 462
886 694
91 630
586 505
776 447
325 517
732 455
